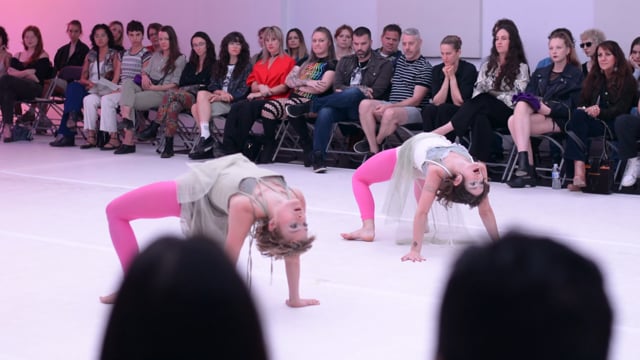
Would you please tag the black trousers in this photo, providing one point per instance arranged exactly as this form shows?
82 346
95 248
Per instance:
584 126
434 116
628 133
14 89
481 115
239 121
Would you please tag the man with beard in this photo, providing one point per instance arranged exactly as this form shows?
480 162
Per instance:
363 75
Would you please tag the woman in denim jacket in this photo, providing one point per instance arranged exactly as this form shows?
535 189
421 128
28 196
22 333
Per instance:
558 88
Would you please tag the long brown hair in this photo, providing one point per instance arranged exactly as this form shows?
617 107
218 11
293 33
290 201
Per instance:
515 56
37 52
174 49
597 79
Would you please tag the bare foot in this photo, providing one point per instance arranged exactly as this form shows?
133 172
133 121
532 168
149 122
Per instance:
361 234
109 299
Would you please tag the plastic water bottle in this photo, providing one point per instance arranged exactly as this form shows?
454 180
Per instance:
555 177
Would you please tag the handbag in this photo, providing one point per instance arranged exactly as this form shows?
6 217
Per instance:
530 99
598 169
21 133
599 175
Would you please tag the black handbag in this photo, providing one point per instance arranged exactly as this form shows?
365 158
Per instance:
599 175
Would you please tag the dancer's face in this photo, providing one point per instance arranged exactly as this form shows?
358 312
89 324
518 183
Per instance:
290 219
474 178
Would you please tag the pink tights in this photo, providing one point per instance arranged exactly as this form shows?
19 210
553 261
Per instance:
151 201
377 169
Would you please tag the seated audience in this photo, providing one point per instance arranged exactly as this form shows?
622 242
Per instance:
257 56
503 75
152 34
608 91
117 29
161 74
627 129
634 59
196 74
267 81
308 81
132 62
409 94
343 41
296 46
73 53
556 88
589 40
5 56
25 77
363 75
451 85
390 39
228 85
183 299
101 63
524 297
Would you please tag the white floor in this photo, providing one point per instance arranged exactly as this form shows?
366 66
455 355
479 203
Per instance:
56 258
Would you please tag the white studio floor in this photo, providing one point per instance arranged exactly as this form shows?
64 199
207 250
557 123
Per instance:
56 258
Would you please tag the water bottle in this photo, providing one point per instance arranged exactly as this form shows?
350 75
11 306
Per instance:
555 177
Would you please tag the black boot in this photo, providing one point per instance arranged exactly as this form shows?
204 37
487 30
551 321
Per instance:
150 132
167 152
523 164
528 180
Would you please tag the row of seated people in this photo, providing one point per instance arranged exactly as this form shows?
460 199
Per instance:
368 89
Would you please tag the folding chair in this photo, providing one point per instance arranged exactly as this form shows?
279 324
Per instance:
39 108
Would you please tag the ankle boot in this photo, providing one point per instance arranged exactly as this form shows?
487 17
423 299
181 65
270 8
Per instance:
523 164
150 132
167 152
528 180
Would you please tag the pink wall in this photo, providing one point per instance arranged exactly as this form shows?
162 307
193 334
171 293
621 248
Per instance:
217 18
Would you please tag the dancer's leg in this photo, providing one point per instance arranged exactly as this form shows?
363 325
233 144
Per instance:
377 169
151 201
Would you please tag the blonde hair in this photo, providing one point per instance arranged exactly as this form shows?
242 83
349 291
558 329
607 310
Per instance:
273 244
273 32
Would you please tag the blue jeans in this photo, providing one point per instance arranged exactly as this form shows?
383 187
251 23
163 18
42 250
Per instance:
337 107
72 103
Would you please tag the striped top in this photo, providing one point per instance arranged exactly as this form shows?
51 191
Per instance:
408 75
132 63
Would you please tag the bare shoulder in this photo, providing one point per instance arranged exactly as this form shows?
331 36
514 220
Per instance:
239 203
44 55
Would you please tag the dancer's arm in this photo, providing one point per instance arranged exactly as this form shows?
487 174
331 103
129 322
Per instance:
427 197
292 267
488 218
240 221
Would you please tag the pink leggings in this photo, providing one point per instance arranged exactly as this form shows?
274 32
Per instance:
377 169
151 201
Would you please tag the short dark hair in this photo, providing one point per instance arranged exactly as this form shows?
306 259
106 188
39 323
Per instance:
183 299
392 27
524 297
362 31
155 26
135 25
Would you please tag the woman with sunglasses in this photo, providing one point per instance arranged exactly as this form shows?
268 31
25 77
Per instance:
589 41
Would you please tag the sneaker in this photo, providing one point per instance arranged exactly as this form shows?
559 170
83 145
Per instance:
631 172
298 110
319 166
204 145
362 147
